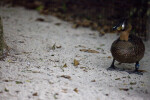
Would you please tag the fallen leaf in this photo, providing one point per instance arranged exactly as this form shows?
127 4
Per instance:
7 80
9 61
58 46
75 25
82 67
117 79
55 96
66 76
98 48
142 84
35 71
76 62
6 90
35 94
93 80
65 65
75 90
21 41
54 47
132 83
58 24
19 82
40 19
125 89
86 23
89 50
109 57
85 70
51 82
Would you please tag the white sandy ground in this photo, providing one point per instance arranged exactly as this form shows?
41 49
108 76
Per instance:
33 70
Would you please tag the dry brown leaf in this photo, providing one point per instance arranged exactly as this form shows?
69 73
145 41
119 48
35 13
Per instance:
89 50
66 76
109 57
132 83
7 80
75 90
19 82
65 65
76 62
35 94
125 89
93 80
58 46
35 71
75 26
6 90
40 19
57 24
117 79
54 47
86 23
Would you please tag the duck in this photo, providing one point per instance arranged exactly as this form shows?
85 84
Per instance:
128 48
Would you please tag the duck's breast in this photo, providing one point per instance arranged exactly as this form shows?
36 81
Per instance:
128 51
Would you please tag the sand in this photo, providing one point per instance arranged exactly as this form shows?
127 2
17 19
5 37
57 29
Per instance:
40 65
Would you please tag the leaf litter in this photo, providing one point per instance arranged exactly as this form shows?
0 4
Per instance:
76 62
89 50
66 77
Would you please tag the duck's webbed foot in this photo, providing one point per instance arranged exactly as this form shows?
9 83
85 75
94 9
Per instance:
112 67
136 71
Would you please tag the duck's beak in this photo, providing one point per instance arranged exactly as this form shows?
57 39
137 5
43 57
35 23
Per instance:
120 26
114 28
117 27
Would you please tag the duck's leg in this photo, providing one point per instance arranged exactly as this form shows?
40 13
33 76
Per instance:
112 67
136 71
137 65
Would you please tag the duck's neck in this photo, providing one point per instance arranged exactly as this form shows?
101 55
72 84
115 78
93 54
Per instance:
124 35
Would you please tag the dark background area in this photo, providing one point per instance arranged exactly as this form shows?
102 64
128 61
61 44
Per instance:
100 15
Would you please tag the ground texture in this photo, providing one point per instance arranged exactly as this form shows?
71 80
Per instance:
50 60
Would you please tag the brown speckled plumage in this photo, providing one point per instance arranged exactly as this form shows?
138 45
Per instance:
129 51
128 48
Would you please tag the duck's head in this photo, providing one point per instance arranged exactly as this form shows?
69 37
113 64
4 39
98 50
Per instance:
121 25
